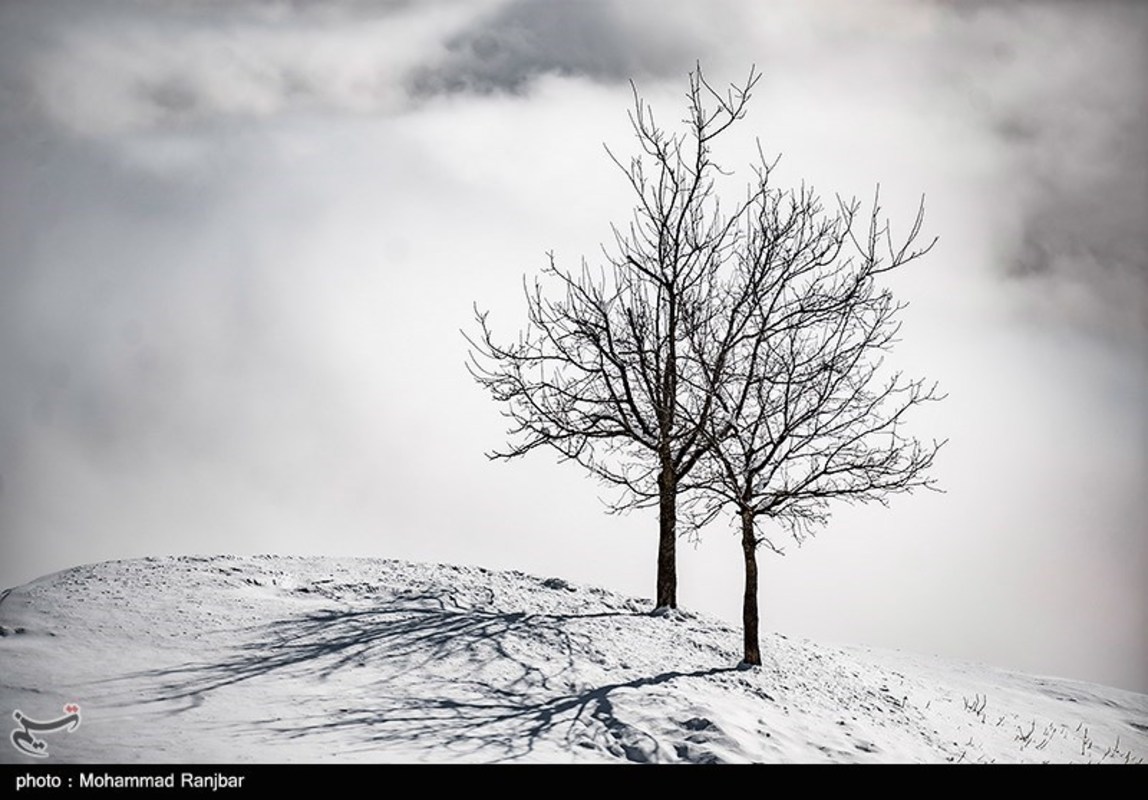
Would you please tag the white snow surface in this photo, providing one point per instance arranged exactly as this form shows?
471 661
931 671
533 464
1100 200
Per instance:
282 659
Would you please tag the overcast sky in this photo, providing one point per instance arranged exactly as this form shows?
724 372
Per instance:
238 239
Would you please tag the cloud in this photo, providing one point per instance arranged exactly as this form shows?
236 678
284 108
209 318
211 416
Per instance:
108 68
1062 90
597 39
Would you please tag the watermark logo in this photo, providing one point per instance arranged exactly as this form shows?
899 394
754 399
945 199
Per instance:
24 738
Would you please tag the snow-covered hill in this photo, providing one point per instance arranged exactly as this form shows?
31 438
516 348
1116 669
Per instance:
228 659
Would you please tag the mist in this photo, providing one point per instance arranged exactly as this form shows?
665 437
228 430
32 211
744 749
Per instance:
238 241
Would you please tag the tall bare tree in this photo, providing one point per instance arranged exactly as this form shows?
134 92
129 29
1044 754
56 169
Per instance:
805 412
610 371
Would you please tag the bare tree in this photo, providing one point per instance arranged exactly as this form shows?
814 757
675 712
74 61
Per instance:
609 369
805 412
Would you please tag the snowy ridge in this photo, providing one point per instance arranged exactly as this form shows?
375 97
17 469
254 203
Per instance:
269 658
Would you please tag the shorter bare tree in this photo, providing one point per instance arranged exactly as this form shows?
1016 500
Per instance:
805 413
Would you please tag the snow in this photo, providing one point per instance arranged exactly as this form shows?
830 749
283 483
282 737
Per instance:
282 659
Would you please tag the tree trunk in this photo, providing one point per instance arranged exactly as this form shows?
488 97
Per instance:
749 602
667 595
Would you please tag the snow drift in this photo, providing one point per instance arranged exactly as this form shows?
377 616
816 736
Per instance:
229 659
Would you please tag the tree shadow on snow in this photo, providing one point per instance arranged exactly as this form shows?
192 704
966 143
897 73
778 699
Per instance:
420 673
